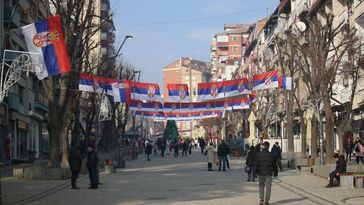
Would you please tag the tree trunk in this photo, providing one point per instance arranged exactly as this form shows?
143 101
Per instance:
303 136
289 97
340 134
329 130
314 132
54 130
64 147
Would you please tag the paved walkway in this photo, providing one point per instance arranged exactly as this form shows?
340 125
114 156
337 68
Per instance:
178 181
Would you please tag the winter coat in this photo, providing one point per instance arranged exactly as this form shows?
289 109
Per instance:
75 159
341 164
277 152
349 146
149 148
250 158
265 164
92 159
360 147
223 150
210 153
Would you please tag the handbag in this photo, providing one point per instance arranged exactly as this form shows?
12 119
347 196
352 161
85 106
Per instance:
247 169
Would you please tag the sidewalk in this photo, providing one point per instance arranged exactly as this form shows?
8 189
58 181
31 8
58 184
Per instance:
179 181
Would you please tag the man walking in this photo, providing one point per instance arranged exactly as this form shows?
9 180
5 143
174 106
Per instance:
265 166
277 153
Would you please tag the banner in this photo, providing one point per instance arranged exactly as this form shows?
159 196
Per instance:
146 106
266 80
178 93
188 107
46 38
145 92
236 87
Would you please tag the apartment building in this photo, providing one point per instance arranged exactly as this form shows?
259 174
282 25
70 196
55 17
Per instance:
23 114
226 50
191 72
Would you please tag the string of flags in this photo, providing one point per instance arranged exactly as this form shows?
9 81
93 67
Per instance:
46 38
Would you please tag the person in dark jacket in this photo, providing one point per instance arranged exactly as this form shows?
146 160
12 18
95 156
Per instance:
75 162
250 163
349 147
92 161
265 166
277 153
148 151
222 152
340 168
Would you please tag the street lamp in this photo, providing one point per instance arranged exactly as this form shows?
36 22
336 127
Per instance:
126 37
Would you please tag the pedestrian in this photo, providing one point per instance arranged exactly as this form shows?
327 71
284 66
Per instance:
359 150
277 153
202 144
189 147
92 161
250 164
148 151
210 155
349 146
222 152
155 149
176 148
75 162
184 147
265 166
340 168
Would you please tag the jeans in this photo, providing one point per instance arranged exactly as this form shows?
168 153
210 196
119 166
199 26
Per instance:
265 182
279 163
222 159
93 176
332 175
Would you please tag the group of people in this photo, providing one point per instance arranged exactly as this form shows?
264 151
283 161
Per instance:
77 154
356 146
221 152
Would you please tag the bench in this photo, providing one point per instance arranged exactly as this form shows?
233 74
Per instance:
304 169
359 181
351 179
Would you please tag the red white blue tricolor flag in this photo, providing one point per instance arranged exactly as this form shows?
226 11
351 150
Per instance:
210 91
146 106
285 83
97 84
178 93
121 91
236 87
145 92
46 38
265 80
188 107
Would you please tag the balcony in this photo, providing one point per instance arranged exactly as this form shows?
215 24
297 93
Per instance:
40 102
222 44
8 13
14 101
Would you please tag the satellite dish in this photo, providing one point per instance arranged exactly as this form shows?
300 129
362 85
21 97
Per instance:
301 26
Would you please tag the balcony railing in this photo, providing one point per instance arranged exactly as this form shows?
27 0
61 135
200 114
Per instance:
222 44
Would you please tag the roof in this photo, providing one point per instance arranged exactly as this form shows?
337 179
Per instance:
244 29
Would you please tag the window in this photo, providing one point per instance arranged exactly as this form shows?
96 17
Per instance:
235 49
45 140
235 38
32 136
222 39
21 93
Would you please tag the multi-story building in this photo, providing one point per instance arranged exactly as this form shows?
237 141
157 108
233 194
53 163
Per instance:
186 71
226 50
23 133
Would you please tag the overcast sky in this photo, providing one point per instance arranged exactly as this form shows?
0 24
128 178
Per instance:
165 30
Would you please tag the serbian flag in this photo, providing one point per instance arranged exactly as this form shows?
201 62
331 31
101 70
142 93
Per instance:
210 91
285 83
236 87
121 91
178 93
46 38
145 106
151 115
265 80
96 84
238 104
145 92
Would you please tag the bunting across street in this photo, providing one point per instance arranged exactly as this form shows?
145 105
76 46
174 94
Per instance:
121 91
145 92
265 80
210 91
146 106
178 93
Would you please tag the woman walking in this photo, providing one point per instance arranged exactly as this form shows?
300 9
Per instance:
359 150
210 154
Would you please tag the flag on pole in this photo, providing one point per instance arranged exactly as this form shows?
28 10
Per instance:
178 93
285 82
145 92
121 91
265 80
46 38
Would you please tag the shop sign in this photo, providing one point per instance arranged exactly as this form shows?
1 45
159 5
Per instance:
23 125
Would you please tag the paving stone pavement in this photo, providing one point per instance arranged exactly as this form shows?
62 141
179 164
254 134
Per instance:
177 181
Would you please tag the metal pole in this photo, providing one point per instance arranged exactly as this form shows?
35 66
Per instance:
190 68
